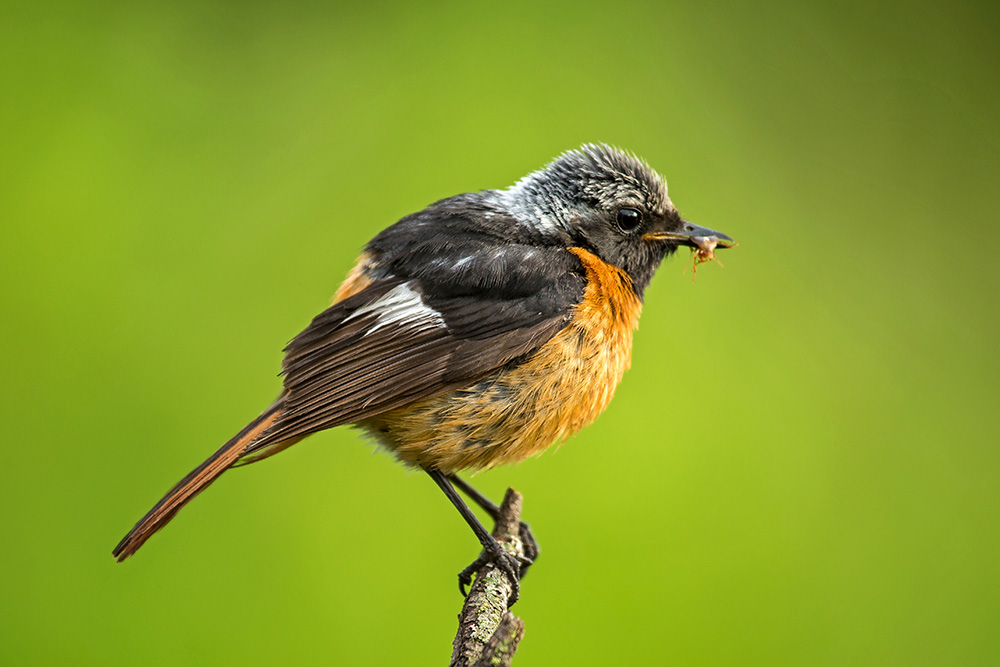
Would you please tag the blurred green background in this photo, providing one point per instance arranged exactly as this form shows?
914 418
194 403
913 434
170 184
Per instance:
800 469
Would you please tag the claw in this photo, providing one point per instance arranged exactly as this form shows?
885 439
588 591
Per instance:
503 561
531 548
464 579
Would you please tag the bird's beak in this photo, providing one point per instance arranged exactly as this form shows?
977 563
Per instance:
693 236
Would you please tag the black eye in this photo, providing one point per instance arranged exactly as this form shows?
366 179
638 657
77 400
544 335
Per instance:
628 219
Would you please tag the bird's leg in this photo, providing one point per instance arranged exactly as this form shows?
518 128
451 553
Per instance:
492 551
531 548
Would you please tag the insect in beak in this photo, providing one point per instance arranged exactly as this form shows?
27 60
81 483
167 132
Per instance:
702 241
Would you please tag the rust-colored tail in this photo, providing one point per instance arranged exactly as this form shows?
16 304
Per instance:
194 483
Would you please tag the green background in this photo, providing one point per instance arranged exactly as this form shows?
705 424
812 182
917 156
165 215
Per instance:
801 468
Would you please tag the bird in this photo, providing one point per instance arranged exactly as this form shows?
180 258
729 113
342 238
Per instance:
476 332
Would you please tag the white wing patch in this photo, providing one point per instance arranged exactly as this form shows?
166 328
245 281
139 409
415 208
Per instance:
401 305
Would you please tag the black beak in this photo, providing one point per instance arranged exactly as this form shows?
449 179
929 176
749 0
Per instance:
692 236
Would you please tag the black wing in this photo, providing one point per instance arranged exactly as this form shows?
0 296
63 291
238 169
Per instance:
441 316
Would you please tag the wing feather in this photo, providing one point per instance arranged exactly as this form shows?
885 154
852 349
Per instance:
422 328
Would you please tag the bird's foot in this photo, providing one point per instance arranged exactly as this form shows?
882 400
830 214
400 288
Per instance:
531 548
513 567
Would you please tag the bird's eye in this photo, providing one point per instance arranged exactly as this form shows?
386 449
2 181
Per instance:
628 219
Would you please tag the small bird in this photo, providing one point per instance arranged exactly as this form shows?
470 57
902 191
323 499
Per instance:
475 332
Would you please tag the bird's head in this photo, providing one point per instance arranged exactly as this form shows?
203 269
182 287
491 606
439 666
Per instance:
611 203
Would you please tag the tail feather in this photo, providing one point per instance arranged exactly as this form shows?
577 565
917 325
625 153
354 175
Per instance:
195 482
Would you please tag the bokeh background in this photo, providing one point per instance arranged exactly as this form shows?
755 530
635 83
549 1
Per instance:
801 468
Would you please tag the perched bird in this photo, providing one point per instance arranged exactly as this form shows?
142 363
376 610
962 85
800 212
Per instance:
476 332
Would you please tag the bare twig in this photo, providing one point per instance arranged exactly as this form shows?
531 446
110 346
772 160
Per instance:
488 633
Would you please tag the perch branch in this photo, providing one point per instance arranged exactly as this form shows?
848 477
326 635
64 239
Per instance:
488 633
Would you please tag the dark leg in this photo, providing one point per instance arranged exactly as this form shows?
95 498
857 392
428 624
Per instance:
492 551
531 549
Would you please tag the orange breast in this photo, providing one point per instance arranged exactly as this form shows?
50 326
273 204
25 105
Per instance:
520 410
